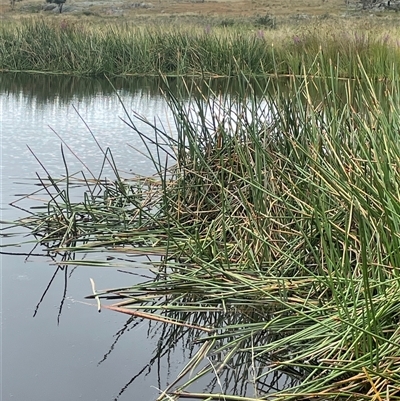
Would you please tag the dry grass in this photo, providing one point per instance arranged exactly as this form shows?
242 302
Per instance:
170 8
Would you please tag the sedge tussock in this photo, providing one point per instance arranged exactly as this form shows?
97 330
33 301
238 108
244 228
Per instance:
276 230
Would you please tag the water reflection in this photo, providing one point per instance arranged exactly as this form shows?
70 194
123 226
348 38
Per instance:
57 352
243 375
143 356
43 89
40 116
65 89
57 89
172 347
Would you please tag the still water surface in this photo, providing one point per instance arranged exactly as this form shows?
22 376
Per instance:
54 344
78 358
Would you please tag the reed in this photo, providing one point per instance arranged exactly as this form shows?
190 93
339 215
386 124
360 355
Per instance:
277 222
80 48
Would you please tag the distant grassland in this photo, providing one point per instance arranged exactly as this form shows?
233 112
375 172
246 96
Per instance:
66 46
165 9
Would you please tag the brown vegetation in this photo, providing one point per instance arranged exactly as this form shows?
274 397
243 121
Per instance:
198 8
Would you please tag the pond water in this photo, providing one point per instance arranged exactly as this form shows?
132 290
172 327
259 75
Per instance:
78 353
54 344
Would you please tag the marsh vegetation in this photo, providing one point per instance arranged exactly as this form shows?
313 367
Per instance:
92 49
271 228
271 225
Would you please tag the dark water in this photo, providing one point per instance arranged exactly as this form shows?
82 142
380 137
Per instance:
76 358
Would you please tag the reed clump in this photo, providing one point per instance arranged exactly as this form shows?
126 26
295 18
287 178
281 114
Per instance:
277 223
81 48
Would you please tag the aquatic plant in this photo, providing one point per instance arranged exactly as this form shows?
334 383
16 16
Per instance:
275 218
80 48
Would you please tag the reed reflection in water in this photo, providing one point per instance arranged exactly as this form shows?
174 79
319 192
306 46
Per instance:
55 354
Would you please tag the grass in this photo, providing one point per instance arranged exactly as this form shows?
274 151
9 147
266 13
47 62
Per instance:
277 219
170 10
88 49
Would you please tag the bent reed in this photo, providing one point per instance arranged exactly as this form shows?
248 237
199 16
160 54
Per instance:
278 226
78 47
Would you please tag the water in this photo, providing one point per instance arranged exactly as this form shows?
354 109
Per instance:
55 346
55 356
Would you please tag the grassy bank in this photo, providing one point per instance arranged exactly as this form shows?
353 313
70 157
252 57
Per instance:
278 231
66 46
